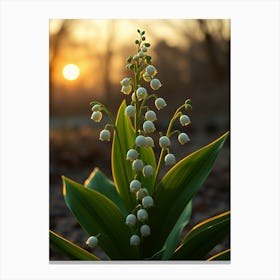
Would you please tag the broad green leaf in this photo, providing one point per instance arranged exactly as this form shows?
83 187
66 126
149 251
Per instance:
173 238
148 156
203 238
222 256
99 182
99 215
123 140
70 249
178 187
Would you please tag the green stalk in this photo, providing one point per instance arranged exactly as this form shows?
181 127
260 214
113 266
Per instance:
162 152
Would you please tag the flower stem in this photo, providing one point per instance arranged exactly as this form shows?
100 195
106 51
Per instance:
162 152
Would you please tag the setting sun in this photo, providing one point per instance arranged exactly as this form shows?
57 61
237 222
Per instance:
71 72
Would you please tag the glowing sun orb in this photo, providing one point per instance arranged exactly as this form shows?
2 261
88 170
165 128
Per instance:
71 72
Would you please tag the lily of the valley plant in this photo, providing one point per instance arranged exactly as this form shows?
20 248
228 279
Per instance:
138 215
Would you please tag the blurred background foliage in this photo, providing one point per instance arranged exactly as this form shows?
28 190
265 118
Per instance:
193 60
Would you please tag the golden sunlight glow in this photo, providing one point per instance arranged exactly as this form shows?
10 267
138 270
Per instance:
71 72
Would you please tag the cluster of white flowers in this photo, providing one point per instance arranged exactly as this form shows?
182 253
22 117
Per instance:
144 125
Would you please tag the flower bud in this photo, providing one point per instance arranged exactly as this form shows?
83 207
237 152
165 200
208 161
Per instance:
188 105
125 82
96 116
183 138
144 49
155 84
130 110
132 154
137 165
140 141
92 241
135 57
151 70
96 107
160 103
141 93
147 202
133 97
164 141
140 54
131 220
169 159
142 215
145 230
135 185
146 77
149 142
126 89
148 170
104 135
142 193
184 120
134 240
150 116
149 127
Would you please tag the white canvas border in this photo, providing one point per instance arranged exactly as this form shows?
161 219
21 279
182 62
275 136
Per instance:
254 136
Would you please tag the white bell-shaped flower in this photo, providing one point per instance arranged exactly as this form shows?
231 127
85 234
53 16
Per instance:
141 93
144 49
169 159
96 107
135 185
131 220
184 120
164 142
130 110
155 84
137 165
134 240
142 215
146 77
92 241
149 142
150 116
135 57
147 202
132 154
105 135
160 103
125 82
145 230
126 89
183 138
148 170
142 193
149 127
151 70
140 141
96 116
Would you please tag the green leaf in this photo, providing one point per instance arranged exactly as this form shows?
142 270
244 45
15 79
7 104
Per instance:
178 187
203 238
148 156
123 140
69 249
222 256
173 238
99 215
99 182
